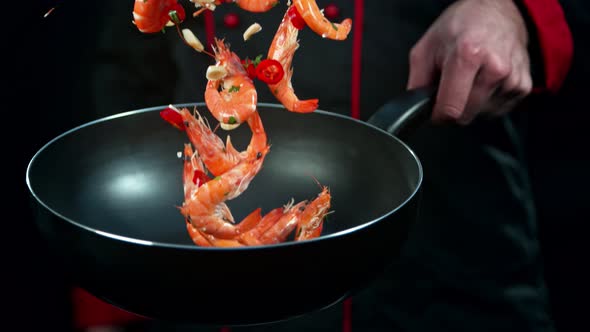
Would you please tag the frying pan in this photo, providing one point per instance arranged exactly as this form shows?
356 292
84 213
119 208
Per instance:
106 196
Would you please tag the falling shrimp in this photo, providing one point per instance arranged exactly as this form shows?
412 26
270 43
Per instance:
237 99
203 208
153 15
208 217
314 18
256 6
282 49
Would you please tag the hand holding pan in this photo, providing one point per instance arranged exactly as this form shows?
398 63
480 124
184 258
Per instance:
106 193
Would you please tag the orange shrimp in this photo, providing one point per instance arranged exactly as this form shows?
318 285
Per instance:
151 16
194 176
254 6
237 100
257 6
282 49
251 236
315 20
215 155
204 204
285 225
202 209
208 240
311 220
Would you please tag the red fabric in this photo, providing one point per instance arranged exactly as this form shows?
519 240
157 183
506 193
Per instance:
555 40
355 112
90 311
209 21
357 42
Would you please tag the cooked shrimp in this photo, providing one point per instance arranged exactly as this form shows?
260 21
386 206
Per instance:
202 209
208 240
194 175
282 49
256 6
285 225
311 221
219 157
237 100
251 236
153 15
314 18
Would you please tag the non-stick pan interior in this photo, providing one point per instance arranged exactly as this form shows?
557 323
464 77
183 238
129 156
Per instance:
121 174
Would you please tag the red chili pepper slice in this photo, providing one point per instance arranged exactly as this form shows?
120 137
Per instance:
173 117
296 18
270 71
200 178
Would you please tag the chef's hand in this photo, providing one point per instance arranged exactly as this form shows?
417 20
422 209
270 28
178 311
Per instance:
477 50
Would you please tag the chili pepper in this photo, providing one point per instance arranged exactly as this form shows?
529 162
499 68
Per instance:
200 178
173 117
270 71
250 66
296 18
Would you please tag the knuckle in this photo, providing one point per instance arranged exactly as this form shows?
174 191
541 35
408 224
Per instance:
498 67
468 49
512 84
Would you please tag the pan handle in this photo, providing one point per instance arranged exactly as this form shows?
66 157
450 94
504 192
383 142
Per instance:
403 114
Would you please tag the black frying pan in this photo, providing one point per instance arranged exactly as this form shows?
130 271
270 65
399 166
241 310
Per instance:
106 196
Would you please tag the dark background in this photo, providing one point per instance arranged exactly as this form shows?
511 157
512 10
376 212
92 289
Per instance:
48 83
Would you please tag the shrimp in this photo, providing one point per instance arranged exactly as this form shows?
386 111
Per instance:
254 6
217 156
307 217
311 220
209 219
208 240
314 18
194 175
204 204
257 6
153 15
282 49
202 209
285 225
237 100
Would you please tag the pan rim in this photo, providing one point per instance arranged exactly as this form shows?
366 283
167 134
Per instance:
137 241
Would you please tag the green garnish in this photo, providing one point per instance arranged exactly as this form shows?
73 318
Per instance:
257 60
334 26
174 16
231 120
234 88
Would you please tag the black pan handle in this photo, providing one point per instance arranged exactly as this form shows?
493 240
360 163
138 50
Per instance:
403 114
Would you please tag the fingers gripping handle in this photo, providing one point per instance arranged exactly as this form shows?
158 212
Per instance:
402 115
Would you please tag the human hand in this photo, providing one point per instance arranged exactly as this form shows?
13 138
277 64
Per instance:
478 48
